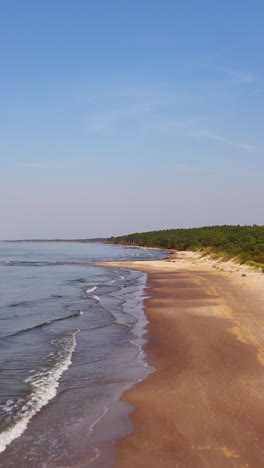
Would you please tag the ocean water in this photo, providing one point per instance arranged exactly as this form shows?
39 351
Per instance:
71 339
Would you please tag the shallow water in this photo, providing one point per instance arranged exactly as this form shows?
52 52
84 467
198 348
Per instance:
71 342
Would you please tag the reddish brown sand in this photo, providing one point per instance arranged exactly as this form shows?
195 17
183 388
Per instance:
204 406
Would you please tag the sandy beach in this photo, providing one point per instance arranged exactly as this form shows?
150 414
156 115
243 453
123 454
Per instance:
204 405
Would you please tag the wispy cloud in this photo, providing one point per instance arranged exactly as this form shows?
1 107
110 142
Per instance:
115 106
240 77
104 121
154 94
125 92
236 76
182 166
39 165
199 168
215 137
187 128
176 126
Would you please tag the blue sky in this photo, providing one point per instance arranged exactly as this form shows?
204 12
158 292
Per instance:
121 116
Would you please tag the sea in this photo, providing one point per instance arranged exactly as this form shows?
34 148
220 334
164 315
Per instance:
71 342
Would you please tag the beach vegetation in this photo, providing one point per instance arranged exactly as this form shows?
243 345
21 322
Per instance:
243 244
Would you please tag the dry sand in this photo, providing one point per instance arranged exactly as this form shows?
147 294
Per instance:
204 405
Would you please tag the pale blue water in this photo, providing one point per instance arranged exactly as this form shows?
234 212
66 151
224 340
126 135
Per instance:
70 343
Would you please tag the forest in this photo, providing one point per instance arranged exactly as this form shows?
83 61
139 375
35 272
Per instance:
243 243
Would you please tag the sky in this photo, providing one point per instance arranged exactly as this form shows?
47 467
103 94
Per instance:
122 116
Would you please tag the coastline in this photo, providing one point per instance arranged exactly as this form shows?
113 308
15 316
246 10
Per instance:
55 419
115 422
204 405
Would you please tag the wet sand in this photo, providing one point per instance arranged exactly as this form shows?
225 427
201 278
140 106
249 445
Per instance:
204 405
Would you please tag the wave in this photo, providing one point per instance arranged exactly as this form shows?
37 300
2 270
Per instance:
119 278
48 322
34 301
96 298
43 387
91 289
33 263
77 280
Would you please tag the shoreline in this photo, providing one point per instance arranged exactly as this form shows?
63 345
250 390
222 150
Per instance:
203 406
115 422
126 367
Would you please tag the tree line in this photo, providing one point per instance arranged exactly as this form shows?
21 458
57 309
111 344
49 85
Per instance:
245 243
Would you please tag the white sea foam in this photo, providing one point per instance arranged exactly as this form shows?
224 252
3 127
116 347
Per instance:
115 280
138 331
96 298
43 387
93 288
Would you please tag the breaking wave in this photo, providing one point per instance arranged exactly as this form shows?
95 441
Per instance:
91 289
43 387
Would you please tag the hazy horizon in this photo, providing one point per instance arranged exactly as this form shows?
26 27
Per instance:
120 117
66 239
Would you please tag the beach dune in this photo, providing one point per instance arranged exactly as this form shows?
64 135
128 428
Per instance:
204 405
